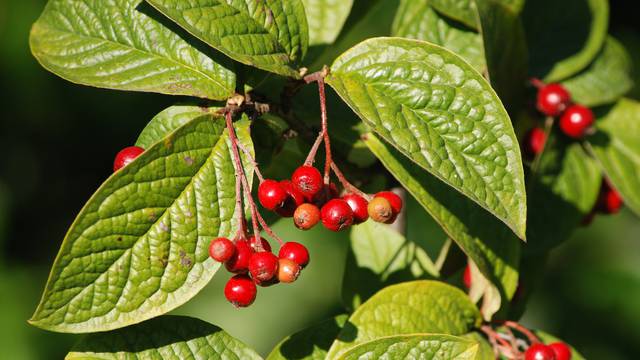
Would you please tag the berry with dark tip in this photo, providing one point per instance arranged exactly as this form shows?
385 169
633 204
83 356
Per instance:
380 210
240 291
539 352
294 199
553 99
295 252
336 215
576 121
263 266
306 216
307 180
221 249
534 141
271 194
561 350
126 156
358 205
288 271
239 261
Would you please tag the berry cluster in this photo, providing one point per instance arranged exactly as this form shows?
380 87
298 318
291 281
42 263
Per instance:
553 351
553 100
508 345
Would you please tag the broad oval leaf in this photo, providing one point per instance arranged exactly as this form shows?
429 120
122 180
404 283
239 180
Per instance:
492 247
616 145
272 35
311 343
326 18
460 10
168 120
138 248
415 19
564 36
428 346
120 45
423 306
166 337
440 113
606 79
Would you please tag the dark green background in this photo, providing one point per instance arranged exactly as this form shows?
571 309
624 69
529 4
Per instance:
58 141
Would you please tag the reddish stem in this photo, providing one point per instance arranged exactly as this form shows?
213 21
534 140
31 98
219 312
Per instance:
247 153
237 164
537 83
533 339
346 184
268 230
314 150
325 132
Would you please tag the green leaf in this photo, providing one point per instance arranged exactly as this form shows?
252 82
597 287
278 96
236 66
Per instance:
271 35
166 337
485 351
441 113
564 36
138 248
616 145
415 19
381 256
119 45
505 50
606 79
548 339
311 343
428 346
412 307
460 10
487 241
561 194
326 18
168 120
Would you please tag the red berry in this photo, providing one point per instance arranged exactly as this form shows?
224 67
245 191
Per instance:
307 180
394 200
125 156
380 210
265 245
466 277
553 99
306 216
539 352
295 252
609 201
576 120
358 205
534 141
294 199
271 194
240 291
326 193
336 215
239 261
221 249
263 266
562 350
288 271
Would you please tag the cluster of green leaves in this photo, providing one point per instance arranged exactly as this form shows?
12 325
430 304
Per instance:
436 104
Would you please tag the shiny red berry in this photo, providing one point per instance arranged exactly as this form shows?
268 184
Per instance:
239 261
307 180
221 249
263 266
265 245
295 252
240 291
125 156
288 271
294 199
534 141
553 99
380 210
466 277
576 121
394 200
326 193
336 215
609 200
306 216
562 350
271 194
358 205
539 352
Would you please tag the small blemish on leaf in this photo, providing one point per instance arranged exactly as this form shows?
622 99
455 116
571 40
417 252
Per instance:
188 214
119 238
184 259
164 226
188 160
